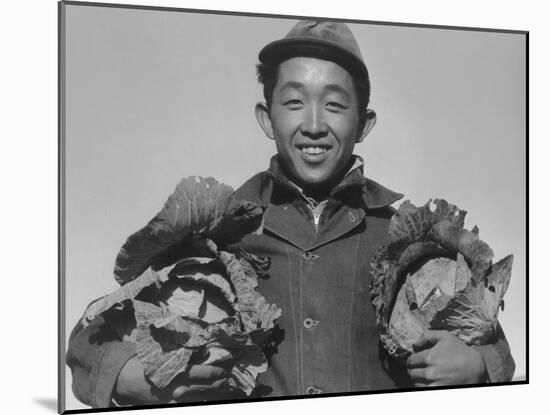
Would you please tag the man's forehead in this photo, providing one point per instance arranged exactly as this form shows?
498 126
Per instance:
299 72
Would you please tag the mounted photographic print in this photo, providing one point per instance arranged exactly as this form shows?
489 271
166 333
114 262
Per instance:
259 207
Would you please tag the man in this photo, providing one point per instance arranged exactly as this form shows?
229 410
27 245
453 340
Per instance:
323 221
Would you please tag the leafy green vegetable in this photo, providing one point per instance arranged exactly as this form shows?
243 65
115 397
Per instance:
435 274
186 308
197 205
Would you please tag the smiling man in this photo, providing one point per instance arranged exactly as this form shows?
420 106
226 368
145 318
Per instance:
315 119
323 221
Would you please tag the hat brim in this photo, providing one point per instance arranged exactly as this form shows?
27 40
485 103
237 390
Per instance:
281 50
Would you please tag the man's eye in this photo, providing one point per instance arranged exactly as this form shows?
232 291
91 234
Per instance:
335 106
293 103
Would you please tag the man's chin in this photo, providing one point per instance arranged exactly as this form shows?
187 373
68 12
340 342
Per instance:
312 182
312 179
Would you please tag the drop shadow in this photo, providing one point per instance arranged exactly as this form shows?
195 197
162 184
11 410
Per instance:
48 403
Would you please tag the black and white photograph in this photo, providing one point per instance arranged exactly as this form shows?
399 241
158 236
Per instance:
258 207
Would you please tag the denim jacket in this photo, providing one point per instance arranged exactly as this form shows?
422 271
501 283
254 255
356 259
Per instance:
319 276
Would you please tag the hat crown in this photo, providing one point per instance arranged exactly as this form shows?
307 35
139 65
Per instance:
327 40
336 33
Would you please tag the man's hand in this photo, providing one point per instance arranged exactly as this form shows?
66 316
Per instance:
200 382
440 359
196 384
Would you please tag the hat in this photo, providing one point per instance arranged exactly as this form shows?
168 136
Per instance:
333 41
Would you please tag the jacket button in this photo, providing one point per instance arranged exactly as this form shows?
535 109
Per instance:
312 390
308 256
309 323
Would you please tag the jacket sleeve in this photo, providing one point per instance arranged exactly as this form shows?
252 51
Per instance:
96 355
499 363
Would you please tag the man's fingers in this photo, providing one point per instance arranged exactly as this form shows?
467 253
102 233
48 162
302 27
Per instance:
428 339
418 376
418 360
205 374
427 384
191 389
428 375
198 379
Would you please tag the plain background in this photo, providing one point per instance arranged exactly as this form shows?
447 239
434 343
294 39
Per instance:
154 96
31 206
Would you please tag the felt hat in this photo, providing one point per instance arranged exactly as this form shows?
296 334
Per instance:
332 41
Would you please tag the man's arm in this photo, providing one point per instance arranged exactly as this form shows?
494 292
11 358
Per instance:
96 357
106 371
200 382
499 364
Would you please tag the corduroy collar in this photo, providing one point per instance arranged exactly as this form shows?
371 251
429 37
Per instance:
374 195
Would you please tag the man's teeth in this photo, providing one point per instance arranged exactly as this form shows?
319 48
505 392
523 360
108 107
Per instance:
314 150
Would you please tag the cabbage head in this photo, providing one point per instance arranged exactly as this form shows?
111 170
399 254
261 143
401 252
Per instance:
184 300
434 274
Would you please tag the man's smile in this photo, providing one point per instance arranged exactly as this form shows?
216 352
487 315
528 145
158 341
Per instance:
314 153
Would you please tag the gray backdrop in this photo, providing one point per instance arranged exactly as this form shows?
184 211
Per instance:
154 96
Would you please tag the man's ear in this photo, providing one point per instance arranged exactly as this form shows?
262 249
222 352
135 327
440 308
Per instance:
263 118
368 120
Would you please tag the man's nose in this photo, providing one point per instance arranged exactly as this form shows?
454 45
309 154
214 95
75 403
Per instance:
314 124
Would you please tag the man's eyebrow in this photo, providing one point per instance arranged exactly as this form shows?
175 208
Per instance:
292 85
327 88
338 89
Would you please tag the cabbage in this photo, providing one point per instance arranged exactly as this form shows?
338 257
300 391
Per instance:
184 300
197 206
434 274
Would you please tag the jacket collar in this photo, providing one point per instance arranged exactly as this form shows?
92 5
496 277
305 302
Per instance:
374 195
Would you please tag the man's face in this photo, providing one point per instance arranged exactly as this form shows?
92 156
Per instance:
314 120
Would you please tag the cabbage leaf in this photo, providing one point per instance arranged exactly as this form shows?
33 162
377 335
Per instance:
434 274
185 300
